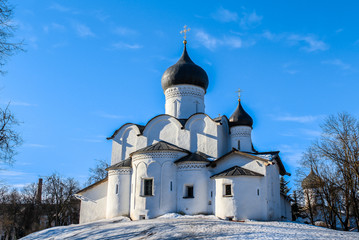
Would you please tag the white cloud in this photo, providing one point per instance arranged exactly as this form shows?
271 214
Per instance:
111 116
299 119
60 8
18 103
54 26
251 20
9 173
123 31
122 45
224 15
310 43
337 62
35 145
82 30
212 42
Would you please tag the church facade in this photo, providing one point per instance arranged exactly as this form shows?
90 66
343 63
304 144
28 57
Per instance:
187 162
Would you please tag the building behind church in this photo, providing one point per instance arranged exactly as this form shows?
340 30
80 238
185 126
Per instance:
185 161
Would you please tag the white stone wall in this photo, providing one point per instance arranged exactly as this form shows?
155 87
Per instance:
247 200
242 134
160 168
118 193
196 175
182 101
273 192
95 208
286 210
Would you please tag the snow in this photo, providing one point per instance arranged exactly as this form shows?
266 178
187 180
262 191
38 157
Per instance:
176 226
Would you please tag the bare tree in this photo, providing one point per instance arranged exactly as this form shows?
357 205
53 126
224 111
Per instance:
9 137
334 158
59 204
98 172
8 46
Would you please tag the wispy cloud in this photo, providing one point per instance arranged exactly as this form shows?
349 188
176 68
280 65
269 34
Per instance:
9 173
60 8
54 26
83 30
212 42
110 116
224 15
18 103
35 145
250 20
309 43
337 62
123 45
123 31
298 119
288 68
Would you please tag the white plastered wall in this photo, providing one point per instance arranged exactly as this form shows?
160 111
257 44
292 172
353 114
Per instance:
158 166
247 200
182 101
242 134
95 207
118 193
196 175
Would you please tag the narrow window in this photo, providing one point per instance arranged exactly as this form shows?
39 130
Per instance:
227 190
211 194
171 186
189 192
258 192
116 189
147 187
239 144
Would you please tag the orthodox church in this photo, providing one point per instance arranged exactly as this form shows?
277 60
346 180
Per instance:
187 162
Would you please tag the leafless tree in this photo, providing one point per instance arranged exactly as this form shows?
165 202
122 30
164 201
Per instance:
98 172
59 203
8 45
9 137
335 160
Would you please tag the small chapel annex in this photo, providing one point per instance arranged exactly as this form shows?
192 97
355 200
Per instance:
187 162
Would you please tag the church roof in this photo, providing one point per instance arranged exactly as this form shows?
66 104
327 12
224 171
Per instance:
159 147
194 157
311 181
263 156
127 163
185 71
240 117
237 171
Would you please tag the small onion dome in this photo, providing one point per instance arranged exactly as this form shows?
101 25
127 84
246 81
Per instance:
185 71
240 117
311 181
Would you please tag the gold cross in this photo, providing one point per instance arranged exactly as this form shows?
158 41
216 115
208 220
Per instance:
239 93
184 31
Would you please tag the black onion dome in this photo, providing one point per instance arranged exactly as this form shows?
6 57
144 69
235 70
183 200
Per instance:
240 117
185 71
311 181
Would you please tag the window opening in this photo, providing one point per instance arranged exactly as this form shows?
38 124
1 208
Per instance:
116 189
189 192
227 190
258 192
171 186
147 187
239 144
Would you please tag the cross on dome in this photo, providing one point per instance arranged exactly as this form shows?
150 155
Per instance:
184 32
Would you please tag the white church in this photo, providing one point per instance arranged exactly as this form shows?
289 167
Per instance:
184 161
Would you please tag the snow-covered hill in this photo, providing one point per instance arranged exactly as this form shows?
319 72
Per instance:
174 226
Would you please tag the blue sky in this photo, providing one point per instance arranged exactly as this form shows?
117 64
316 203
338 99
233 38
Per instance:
91 66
